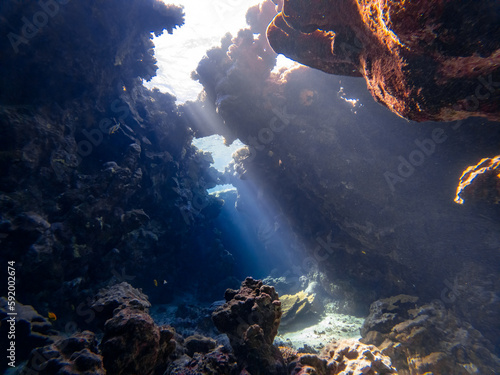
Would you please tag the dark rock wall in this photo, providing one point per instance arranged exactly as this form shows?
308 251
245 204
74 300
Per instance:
100 182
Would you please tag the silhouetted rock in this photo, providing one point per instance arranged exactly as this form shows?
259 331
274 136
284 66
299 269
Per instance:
424 61
27 330
250 317
94 188
133 343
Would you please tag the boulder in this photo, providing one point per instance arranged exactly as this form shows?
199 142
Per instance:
428 339
250 317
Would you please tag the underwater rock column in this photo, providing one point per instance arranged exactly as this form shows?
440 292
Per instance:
132 342
250 318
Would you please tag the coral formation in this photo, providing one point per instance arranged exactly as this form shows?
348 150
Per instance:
31 330
217 362
380 199
427 338
297 309
344 357
100 180
480 182
437 60
132 342
74 355
199 344
251 317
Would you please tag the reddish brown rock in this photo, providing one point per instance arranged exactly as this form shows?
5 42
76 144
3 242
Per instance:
251 317
424 60
216 362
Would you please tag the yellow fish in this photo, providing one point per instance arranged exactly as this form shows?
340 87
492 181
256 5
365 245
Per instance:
52 316
114 129
364 252
155 282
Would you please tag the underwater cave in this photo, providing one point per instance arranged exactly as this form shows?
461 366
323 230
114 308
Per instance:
250 187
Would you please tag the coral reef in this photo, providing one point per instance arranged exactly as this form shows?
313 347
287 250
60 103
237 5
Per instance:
216 362
425 61
251 317
199 344
298 309
134 344
118 296
386 313
344 357
30 330
427 338
100 180
101 186
77 354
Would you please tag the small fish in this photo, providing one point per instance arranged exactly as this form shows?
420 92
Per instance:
115 127
364 252
52 316
155 282
165 282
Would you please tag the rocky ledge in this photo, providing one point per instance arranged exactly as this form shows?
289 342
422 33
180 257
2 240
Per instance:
424 60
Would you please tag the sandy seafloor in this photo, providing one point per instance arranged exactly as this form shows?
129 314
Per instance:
332 326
